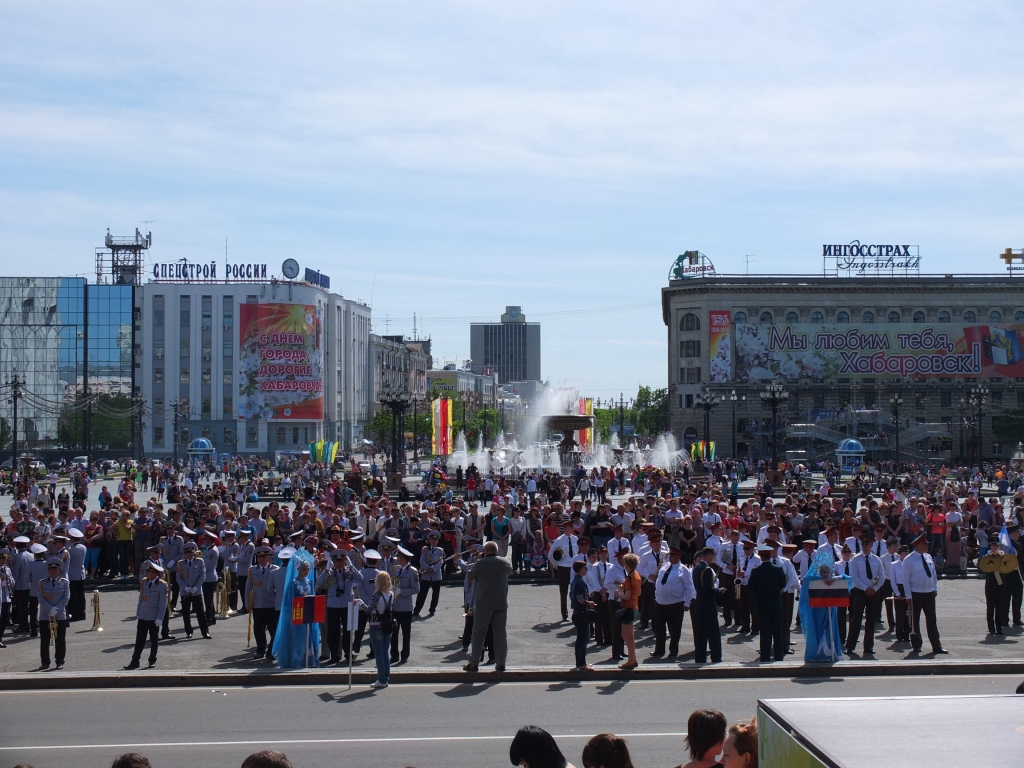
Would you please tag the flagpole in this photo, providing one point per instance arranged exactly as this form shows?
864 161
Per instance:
305 656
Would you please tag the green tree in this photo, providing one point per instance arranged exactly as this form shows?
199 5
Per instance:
380 427
651 408
486 421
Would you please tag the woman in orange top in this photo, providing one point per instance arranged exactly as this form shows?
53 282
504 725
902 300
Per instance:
629 598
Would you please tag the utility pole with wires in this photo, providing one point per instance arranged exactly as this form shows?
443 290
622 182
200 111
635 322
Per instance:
15 384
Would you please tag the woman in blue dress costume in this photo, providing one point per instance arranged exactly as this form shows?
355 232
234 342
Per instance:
820 625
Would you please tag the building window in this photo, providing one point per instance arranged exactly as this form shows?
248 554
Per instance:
229 435
766 317
184 376
893 317
295 435
207 351
184 435
868 317
207 433
970 317
206 409
997 396
690 322
792 317
183 406
689 401
186 349
228 412
158 317
995 316
186 315
842 317
252 299
690 348
158 405
158 375
693 375
817 317
158 435
741 317
207 377
158 350
946 399
207 321
229 319
997 449
280 435
944 317
229 348
252 437
227 377
819 399
919 317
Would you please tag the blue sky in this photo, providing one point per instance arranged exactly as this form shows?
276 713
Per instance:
451 158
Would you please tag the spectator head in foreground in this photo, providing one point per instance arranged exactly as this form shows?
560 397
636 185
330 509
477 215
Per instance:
268 758
740 750
705 735
534 747
131 760
606 750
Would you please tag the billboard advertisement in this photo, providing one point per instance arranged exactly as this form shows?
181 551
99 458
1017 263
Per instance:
902 350
280 362
720 325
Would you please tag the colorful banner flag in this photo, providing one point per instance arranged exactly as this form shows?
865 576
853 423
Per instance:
720 352
711 450
694 450
309 610
834 595
441 438
585 437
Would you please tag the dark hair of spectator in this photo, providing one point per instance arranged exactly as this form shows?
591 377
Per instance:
131 760
268 758
704 729
606 750
746 740
537 747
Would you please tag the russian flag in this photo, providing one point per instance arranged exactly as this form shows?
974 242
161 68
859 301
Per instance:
834 595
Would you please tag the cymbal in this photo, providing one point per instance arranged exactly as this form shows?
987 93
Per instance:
1008 563
990 563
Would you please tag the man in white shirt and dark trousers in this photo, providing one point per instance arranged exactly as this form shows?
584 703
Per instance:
648 567
868 577
746 610
673 591
899 594
922 587
568 545
729 554
784 560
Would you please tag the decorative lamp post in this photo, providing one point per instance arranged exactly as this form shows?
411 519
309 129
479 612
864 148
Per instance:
416 398
895 402
774 395
706 400
732 398
396 399
978 398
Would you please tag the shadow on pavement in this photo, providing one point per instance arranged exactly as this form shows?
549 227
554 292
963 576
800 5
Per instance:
463 690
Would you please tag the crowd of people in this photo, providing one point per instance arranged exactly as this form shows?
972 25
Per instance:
708 742
771 564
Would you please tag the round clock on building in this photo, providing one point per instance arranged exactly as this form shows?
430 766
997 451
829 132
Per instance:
290 269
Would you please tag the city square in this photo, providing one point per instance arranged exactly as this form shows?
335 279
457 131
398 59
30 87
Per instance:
536 385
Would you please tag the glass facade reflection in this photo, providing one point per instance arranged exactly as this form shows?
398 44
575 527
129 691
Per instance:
65 339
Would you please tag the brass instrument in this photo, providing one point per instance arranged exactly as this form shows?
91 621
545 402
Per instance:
222 598
96 611
53 630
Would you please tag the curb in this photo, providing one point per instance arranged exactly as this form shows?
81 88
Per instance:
455 676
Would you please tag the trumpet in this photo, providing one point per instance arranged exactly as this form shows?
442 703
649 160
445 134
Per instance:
53 630
96 611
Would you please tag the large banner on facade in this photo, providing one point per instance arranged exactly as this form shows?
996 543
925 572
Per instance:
902 350
720 327
280 362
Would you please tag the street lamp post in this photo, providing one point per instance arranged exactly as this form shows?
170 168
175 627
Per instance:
732 398
978 398
706 399
774 395
896 401
416 398
465 397
395 398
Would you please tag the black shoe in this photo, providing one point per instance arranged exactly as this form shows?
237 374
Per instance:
465 649
656 653
672 655
2 644
370 655
151 664
1018 623
334 660
415 613
432 611
394 659
34 634
188 635
940 650
132 665
489 662
165 637
43 665
206 636
499 669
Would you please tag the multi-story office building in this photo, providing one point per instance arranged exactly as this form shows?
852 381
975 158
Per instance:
255 365
847 348
510 348
69 345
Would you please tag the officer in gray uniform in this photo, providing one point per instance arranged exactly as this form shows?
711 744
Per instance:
190 579
20 562
76 575
54 592
37 571
173 552
58 549
262 599
246 554
149 613
406 581
431 563
211 556
337 583
366 586
6 594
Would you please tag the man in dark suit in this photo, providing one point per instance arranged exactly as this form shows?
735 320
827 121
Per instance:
490 606
705 613
766 583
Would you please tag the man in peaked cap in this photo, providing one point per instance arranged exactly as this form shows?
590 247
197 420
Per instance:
150 612
766 583
54 595
191 578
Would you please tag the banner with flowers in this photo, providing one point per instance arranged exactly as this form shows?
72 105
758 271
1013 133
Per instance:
280 362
